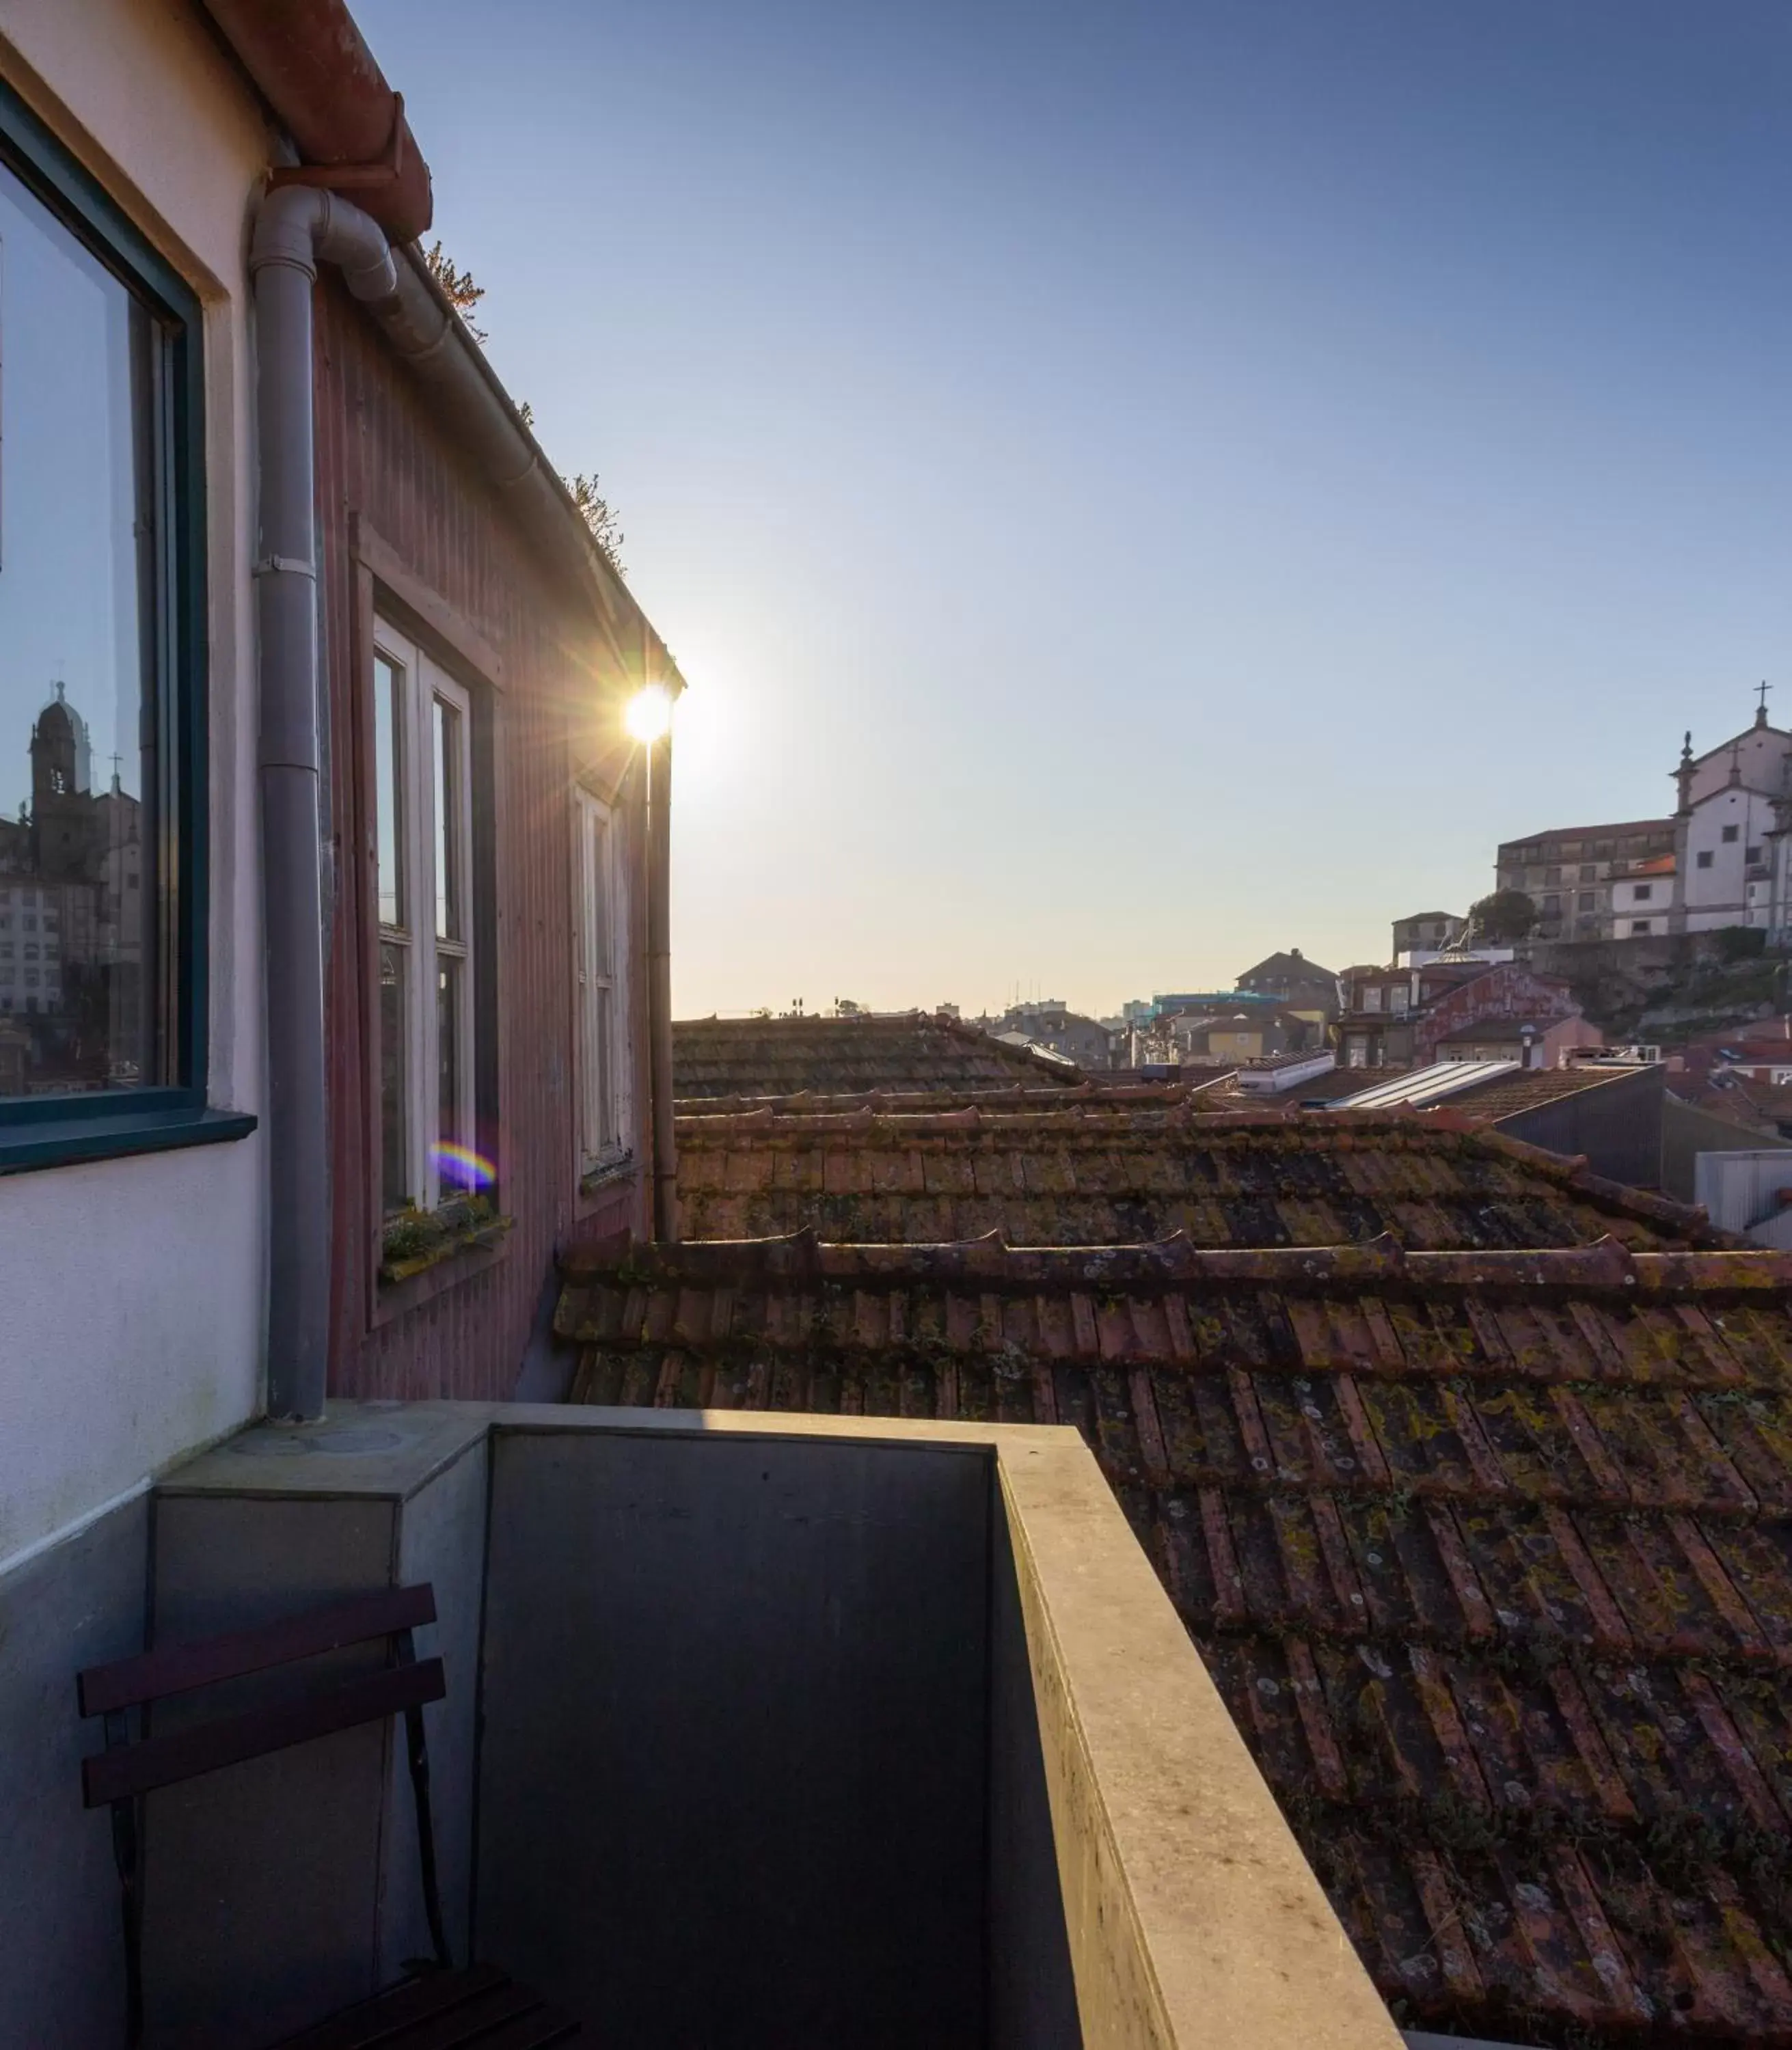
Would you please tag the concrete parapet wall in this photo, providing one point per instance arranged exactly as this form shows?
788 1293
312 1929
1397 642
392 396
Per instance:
789 1729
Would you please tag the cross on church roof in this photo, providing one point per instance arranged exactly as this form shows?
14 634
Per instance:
1762 690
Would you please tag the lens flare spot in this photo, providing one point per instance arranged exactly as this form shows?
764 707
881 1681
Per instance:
460 1167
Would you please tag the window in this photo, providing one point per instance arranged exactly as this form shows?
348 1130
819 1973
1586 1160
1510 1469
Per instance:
1372 996
102 694
1751 855
1552 875
1639 925
1587 872
1586 900
423 824
604 1067
1552 907
1704 858
1642 892
1731 833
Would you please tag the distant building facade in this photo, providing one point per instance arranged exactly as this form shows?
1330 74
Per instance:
1233 1035
1427 932
1050 1022
1404 1018
1730 803
1595 883
1294 981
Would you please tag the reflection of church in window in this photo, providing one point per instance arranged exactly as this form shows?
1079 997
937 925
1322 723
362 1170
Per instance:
71 964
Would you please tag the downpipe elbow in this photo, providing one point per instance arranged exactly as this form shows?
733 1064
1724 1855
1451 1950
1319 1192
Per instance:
301 226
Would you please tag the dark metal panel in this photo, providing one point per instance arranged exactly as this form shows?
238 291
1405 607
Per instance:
383 460
733 1767
1617 1125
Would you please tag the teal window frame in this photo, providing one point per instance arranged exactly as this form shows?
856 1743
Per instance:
54 1130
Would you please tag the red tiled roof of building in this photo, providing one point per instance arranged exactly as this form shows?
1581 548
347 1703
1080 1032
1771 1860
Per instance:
781 1057
1489 1551
1506 1095
1102 1173
1582 833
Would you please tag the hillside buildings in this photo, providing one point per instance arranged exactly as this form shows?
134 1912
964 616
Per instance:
1723 858
1464 1010
1595 881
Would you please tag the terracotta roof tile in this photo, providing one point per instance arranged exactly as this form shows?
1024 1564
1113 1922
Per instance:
1101 1170
785 1056
1489 1551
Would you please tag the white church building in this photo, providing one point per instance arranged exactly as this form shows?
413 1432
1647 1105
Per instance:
1730 841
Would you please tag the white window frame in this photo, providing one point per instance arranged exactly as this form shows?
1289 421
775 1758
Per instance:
606 1090
425 684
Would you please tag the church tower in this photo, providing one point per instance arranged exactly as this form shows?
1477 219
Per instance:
61 797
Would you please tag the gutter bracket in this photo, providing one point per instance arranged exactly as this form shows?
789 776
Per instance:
351 177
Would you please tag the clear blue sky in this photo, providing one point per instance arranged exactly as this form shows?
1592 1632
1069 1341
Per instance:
1135 487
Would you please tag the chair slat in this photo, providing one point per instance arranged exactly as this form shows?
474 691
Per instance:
535 2030
161 1761
173 1668
382 2020
475 2022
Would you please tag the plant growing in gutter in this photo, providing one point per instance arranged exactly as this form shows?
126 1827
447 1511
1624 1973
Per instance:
457 284
463 293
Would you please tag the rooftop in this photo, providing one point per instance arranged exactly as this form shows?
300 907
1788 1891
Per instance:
1507 1095
1103 1171
1582 833
1292 963
781 1057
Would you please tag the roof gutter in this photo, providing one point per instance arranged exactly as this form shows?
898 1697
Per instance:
308 62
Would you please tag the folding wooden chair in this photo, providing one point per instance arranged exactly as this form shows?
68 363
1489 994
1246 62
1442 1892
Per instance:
441 2007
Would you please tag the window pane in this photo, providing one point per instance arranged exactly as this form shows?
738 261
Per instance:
80 542
449 1053
388 682
604 1122
448 800
598 883
396 1191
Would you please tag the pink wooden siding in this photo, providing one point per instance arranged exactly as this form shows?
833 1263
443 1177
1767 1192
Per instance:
387 470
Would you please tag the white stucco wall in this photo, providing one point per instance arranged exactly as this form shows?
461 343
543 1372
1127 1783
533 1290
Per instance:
1716 896
131 1292
1760 754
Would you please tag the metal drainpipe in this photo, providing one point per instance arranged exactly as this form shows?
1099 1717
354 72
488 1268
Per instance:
296 229
659 988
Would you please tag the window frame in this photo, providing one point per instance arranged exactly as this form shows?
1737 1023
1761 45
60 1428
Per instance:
427 683
595 1166
54 1130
